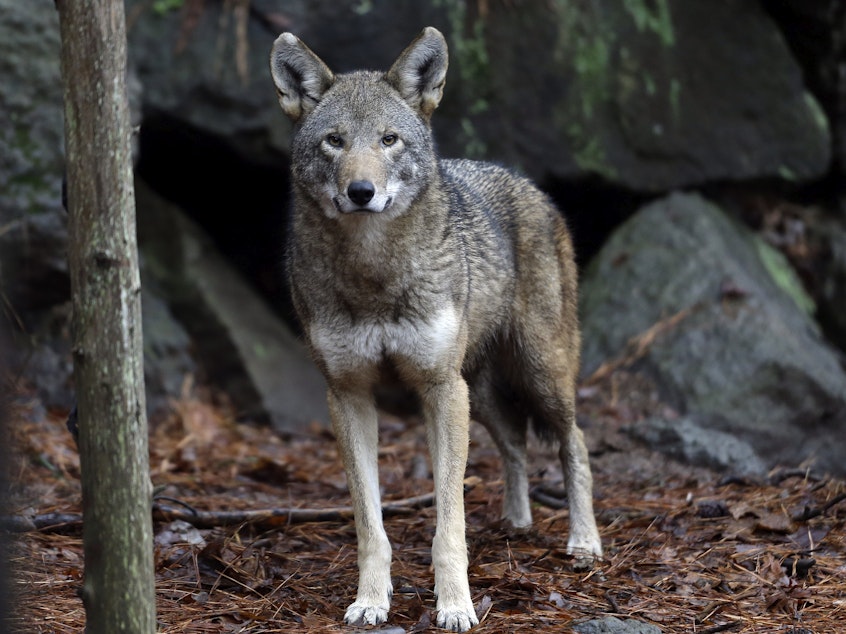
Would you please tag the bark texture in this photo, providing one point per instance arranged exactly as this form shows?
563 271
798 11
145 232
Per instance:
107 342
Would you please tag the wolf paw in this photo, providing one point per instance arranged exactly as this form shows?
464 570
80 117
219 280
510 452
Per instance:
457 619
362 614
584 554
582 561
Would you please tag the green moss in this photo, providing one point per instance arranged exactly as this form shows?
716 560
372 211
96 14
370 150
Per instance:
649 85
589 153
592 63
363 7
471 55
587 43
260 350
164 6
817 113
784 275
654 16
35 178
787 173
470 52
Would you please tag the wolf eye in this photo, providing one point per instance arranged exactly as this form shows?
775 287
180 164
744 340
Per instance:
389 139
334 140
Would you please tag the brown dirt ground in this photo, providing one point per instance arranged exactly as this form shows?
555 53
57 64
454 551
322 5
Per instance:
687 549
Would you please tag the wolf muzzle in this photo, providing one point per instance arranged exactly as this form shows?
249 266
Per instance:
361 192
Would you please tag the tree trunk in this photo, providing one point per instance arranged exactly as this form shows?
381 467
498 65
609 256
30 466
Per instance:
118 592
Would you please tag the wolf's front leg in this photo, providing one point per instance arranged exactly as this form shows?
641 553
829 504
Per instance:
447 413
355 426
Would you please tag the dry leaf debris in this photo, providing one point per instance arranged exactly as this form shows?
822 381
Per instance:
686 549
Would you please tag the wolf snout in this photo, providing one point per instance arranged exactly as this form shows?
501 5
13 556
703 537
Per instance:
361 192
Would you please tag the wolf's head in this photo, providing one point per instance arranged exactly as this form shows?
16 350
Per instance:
362 141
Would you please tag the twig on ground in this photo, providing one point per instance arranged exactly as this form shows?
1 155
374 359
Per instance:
549 496
270 518
781 475
48 522
612 602
723 627
816 511
261 518
544 498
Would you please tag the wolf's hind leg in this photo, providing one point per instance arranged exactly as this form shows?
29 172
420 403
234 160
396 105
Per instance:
355 426
584 543
552 384
507 426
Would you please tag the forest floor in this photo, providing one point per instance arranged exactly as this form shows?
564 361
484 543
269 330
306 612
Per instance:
686 549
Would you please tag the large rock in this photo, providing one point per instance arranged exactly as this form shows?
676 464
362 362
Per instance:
730 344
31 132
33 227
652 95
243 346
647 95
33 246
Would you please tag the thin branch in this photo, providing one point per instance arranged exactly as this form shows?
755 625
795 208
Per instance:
48 522
261 518
724 627
549 496
274 518
816 511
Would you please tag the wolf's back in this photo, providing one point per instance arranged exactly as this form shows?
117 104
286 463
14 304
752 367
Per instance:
517 248
503 210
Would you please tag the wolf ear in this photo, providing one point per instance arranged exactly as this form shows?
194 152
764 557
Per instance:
300 76
419 74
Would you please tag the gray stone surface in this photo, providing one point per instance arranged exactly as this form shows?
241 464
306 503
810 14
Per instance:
33 260
42 351
648 95
613 625
694 442
653 95
168 361
738 352
243 346
31 112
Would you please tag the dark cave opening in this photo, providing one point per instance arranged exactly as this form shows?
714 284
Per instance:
241 201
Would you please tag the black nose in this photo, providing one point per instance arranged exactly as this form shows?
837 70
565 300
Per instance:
361 192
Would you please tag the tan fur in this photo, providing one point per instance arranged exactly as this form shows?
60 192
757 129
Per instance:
457 275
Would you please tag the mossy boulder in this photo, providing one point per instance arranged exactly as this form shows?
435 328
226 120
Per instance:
736 350
649 95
